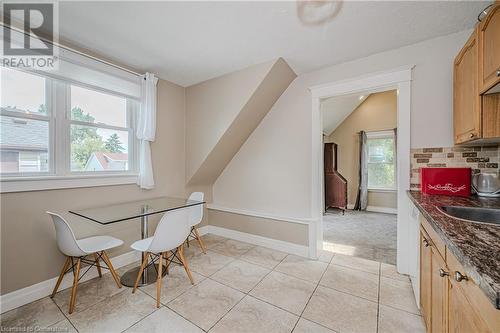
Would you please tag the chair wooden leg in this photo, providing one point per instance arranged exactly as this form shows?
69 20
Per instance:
158 281
184 263
143 265
111 269
76 275
167 264
97 264
61 276
198 238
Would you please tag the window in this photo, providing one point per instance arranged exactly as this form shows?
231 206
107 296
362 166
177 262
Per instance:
52 127
99 131
381 161
25 123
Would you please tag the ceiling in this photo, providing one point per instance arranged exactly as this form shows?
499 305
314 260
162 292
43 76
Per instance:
336 109
190 42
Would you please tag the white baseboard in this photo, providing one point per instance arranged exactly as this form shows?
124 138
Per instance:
378 209
275 244
42 289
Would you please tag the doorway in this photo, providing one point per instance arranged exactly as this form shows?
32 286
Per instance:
360 189
400 81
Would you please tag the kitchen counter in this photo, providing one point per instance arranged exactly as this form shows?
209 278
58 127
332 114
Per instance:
475 245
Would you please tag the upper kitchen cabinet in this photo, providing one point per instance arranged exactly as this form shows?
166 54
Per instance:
489 49
476 84
466 99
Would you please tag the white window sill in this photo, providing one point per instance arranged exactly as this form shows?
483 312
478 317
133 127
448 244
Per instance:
25 184
389 190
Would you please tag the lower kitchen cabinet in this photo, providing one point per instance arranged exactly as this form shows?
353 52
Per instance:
449 300
425 277
439 292
461 317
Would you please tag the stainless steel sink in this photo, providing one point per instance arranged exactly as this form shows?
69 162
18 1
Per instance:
473 214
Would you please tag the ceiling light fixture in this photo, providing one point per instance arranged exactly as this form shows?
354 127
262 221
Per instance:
317 12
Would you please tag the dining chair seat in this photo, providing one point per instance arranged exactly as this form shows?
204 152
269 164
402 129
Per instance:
98 243
142 245
76 252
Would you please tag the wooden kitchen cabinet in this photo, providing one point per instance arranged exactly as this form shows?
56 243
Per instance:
425 277
466 98
449 300
461 318
476 83
439 292
489 49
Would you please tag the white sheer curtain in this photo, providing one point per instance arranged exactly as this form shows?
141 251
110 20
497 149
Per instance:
146 130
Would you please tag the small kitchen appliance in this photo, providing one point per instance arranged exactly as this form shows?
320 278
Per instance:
486 184
446 181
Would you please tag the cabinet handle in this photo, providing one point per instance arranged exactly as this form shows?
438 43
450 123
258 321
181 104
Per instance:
443 273
459 277
472 135
426 242
498 72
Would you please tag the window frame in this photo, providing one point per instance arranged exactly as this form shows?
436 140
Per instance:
59 173
387 134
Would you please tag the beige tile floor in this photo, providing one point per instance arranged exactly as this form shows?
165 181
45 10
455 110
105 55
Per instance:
239 288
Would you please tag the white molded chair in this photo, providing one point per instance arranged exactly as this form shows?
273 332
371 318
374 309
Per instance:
79 249
195 217
169 236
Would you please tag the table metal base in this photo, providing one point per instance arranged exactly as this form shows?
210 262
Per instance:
129 277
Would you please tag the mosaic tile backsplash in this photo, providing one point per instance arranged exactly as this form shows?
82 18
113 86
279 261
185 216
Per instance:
480 159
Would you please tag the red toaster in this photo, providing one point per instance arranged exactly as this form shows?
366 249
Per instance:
446 181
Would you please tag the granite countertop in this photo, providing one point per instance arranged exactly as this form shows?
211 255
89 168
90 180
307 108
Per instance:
475 245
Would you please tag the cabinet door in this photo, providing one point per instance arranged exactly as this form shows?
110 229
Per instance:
425 278
461 315
466 99
491 115
439 293
489 49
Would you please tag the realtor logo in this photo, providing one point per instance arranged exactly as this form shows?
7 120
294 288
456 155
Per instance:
29 31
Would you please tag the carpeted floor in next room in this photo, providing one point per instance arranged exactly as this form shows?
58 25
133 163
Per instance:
362 234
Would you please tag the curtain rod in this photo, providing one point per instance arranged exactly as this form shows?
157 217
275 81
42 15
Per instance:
382 130
72 50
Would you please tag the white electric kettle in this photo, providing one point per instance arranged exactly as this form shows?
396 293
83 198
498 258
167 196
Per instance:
486 184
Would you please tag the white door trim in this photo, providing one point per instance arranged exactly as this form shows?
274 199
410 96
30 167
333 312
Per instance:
400 79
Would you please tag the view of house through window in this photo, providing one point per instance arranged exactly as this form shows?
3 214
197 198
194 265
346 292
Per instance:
381 162
99 135
24 135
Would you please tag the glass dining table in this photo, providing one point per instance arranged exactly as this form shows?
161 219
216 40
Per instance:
141 210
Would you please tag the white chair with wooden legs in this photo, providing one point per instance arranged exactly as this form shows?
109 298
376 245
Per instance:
76 252
195 217
169 236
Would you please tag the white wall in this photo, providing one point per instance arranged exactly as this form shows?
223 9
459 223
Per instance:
272 171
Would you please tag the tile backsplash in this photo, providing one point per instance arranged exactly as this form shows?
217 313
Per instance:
480 159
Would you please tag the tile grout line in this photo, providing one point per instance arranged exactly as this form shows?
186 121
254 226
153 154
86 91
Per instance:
166 306
310 297
157 309
246 294
58 307
208 277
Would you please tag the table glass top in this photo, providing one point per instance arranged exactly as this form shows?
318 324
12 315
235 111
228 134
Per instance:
133 209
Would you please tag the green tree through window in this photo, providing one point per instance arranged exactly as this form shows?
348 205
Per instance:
113 144
85 140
